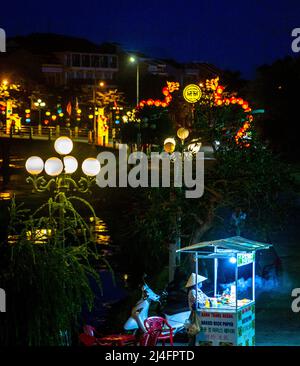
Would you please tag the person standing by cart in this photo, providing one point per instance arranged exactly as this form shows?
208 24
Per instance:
196 300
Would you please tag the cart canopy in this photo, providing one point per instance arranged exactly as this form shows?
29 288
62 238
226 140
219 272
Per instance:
232 244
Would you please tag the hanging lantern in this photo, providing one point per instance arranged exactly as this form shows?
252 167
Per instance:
183 133
165 91
220 89
150 102
168 98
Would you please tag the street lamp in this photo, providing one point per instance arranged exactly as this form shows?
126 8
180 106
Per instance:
40 104
134 60
60 170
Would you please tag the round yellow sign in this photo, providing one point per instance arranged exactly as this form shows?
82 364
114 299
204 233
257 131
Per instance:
192 93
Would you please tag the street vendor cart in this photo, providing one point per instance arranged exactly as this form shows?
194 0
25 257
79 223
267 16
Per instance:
228 317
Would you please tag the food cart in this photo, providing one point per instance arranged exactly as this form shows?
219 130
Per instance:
228 317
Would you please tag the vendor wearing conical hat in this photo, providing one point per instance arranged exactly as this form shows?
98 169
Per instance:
194 285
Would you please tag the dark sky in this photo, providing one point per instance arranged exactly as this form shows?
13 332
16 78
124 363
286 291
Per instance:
238 35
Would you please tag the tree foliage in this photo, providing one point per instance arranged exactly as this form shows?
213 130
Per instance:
46 267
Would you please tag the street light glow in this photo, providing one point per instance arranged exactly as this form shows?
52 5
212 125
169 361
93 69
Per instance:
53 166
34 165
71 164
132 59
63 145
91 167
232 260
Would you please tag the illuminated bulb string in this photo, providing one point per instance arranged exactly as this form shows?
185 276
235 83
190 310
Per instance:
219 101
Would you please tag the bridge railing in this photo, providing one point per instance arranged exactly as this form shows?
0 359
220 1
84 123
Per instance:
36 132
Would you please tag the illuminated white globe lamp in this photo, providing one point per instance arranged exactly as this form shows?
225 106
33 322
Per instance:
63 145
34 165
91 167
170 140
71 164
53 166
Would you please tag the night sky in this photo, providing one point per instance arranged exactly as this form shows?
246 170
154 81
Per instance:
238 35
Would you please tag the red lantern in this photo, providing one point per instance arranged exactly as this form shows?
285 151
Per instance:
150 102
165 91
157 103
220 89
168 98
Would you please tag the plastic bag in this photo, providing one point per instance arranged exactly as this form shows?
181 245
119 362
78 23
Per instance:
193 324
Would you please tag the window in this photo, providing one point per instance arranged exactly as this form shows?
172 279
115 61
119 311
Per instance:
68 60
95 61
85 60
113 62
75 59
104 61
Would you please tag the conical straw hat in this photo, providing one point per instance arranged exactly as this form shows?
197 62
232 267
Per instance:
192 280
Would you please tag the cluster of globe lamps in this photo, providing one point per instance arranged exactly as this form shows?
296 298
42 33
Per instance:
67 164
182 133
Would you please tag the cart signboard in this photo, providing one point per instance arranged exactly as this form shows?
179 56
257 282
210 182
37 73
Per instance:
217 329
223 328
245 258
246 326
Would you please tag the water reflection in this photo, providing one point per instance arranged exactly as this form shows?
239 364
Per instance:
100 231
5 196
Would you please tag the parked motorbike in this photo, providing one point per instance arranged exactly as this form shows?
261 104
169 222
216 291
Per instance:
141 309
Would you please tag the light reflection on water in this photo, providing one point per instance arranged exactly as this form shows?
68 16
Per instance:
4 196
100 231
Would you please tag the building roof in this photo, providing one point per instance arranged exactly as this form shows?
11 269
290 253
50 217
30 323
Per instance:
45 43
235 243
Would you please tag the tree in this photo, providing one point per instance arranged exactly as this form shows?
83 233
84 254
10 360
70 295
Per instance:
47 261
243 174
275 90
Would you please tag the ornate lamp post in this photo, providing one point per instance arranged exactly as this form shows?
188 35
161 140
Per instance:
61 169
40 104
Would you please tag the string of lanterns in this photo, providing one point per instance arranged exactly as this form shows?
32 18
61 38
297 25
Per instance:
166 91
220 100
